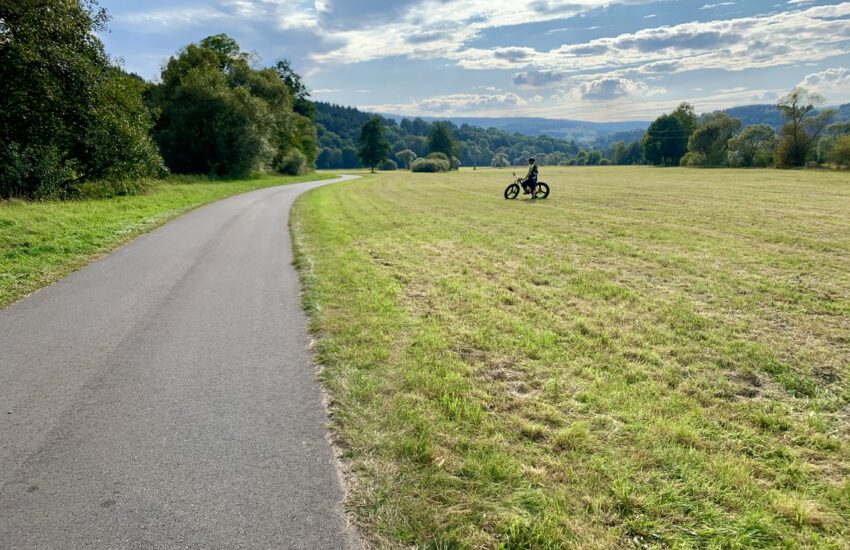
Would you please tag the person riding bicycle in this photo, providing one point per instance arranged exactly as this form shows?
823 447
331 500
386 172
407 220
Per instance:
530 181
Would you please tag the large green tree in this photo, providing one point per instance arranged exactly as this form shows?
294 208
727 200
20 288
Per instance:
374 148
665 141
803 125
708 146
754 146
440 140
222 117
66 114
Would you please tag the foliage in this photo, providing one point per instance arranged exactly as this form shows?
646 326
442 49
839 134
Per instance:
374 148
623 154
339 128
665 142
405 156
840 151
300 94
440 140
802 127
754 146
687 117
220 116
709 143
389 165
500 160
436 162
67 114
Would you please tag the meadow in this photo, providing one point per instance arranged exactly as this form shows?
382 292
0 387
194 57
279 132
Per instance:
42 241
649 358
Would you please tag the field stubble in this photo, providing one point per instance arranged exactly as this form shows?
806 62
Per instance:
649 358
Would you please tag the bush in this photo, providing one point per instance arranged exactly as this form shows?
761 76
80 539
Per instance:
840 152
693 160
571 162
429 165
294 163
604 162
389 165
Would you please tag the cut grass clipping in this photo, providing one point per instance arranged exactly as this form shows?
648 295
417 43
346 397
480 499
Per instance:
40 242
650 357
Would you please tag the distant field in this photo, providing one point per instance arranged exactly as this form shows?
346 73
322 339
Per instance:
650 358
40 242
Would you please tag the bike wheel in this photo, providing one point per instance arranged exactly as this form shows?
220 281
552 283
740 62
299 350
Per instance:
512 191
541 191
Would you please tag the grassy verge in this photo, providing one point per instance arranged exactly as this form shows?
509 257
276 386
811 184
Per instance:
650 358
40 242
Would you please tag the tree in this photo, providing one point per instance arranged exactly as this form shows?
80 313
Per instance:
440 140
593 158
802 127
665 141
67 115
840 151
500 160
373 146
753 146
300 93
687 117
708 145
406 157
222 117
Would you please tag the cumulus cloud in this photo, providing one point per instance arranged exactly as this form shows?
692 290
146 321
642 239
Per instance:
607 89
781 38
537 79
833 84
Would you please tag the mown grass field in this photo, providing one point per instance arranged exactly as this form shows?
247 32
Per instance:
650 358
40 242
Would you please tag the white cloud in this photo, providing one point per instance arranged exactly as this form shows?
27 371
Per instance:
833 84
607 89
452 104
737 44
718 5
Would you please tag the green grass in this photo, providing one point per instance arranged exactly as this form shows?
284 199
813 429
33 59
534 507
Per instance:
41 242
650 358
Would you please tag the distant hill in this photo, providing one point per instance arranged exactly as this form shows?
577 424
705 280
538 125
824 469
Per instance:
578 130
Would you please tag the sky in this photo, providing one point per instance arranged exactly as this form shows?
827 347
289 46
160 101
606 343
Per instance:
611 60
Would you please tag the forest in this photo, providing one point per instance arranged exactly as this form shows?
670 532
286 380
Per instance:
74 123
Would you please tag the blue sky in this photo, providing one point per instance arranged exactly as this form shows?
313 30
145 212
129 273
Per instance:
581 59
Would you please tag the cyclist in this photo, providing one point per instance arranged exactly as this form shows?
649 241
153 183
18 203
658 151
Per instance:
530 181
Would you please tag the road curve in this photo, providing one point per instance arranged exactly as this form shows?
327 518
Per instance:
165 397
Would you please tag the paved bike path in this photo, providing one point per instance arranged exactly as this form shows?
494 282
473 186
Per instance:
165 396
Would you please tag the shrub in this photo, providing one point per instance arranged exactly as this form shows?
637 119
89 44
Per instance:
571 162
604 162
840 152
294 163
429 165
389 165
693 159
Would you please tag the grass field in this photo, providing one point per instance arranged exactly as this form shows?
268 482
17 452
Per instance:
649 358
40 242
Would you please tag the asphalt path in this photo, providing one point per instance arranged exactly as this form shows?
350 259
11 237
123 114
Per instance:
165 396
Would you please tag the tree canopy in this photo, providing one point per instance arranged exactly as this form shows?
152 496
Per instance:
666 141
373 146
222 117
67 114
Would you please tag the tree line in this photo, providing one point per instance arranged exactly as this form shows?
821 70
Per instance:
807 135
71 118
